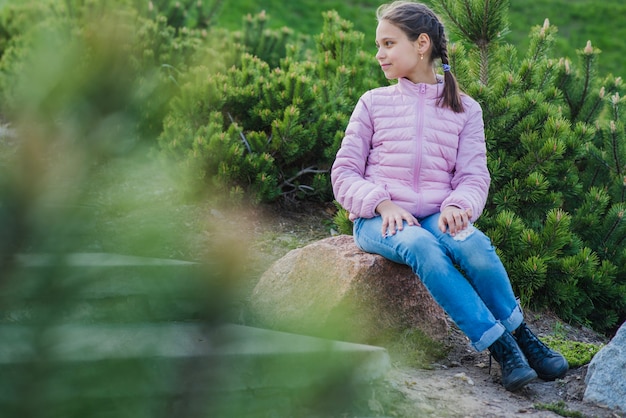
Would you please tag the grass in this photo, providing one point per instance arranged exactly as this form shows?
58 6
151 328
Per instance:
303 16
577 21
559 408
577 353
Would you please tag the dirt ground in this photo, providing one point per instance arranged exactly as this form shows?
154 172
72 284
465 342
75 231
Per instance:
462 384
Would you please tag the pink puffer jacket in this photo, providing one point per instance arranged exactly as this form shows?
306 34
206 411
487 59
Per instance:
401 145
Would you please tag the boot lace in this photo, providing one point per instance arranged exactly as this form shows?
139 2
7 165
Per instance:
533 347
506 355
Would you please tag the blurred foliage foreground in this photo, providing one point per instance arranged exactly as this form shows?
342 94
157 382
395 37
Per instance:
86 330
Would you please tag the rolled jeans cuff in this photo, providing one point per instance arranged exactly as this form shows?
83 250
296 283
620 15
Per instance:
492 334
514 320
489 337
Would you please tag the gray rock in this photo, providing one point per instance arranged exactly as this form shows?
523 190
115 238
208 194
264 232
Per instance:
331 288
606 376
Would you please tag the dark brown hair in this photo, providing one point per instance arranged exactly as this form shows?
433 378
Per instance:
414 19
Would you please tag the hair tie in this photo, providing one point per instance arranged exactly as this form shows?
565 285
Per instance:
446 67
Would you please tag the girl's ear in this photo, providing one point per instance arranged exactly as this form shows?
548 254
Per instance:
423 43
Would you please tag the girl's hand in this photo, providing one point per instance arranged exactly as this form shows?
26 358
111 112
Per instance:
454 219
394 217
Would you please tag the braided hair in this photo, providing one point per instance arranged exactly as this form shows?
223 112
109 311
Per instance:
414 19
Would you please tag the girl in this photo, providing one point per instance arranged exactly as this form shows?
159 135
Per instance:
412 171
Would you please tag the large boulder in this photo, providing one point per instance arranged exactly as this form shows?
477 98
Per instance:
331 288
606 375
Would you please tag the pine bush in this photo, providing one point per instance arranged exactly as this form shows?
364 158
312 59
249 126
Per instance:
190 14
283 119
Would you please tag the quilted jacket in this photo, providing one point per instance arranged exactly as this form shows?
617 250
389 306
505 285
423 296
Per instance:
401 145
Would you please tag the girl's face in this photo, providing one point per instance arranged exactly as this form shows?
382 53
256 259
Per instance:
398 57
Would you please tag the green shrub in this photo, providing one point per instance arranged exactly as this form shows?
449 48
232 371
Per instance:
282 124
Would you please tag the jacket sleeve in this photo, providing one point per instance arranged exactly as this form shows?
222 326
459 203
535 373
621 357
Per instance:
356 194
471 180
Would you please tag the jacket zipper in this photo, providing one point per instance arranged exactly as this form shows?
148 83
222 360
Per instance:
418 142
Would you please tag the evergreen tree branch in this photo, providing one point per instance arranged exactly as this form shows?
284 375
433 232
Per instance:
593 110
588 56
596 173
241 135
451 16
587 78
484 64
537 51
308 170
516 121
614 148
563 84
613 228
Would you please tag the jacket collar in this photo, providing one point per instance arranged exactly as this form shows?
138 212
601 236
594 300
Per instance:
431 91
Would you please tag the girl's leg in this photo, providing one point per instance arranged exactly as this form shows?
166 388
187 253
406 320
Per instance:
476 256
418 248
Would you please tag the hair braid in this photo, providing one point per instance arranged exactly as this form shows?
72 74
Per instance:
451 96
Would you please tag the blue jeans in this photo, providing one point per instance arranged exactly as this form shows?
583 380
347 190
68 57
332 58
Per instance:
481 302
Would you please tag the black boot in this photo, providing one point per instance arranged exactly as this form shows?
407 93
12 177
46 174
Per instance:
548 364
516 372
